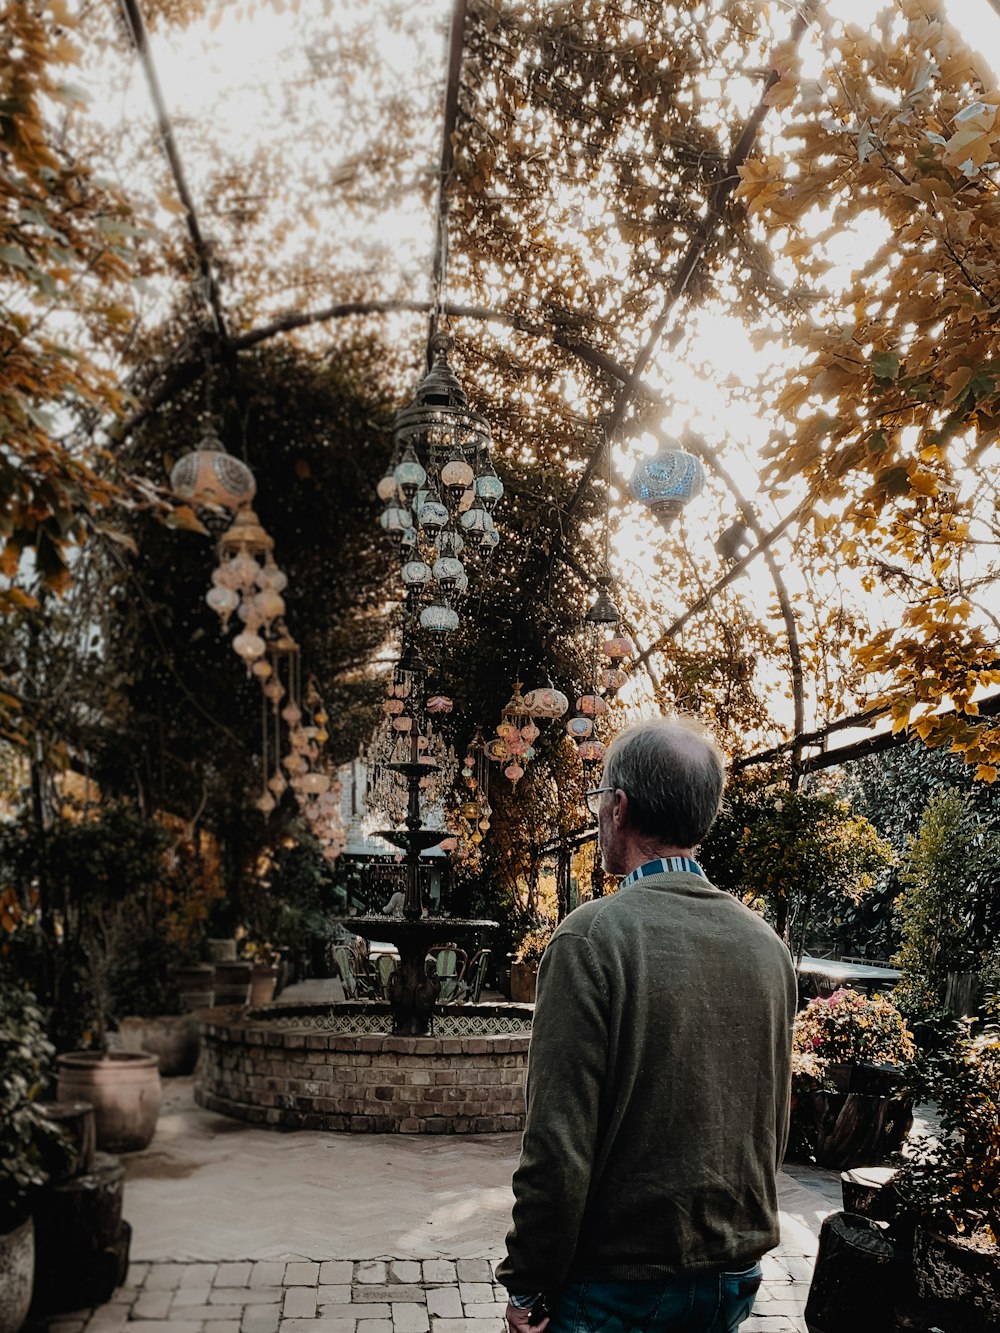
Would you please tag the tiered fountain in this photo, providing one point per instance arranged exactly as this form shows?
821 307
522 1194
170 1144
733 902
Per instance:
413 990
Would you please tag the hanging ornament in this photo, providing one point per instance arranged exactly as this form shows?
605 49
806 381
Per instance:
591 705
545 702
617 647
667 481
395 518
209 475
439 618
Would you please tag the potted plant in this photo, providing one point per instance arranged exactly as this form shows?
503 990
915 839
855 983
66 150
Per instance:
849 1054
81 883
527 956
948 1182
25 1137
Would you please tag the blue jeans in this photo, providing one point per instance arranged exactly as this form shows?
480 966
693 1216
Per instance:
706 1303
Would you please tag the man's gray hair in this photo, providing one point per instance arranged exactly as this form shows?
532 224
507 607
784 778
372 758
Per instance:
673 773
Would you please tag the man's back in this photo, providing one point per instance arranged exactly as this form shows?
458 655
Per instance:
660 1074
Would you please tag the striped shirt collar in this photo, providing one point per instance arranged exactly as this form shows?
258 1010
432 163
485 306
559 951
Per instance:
663 865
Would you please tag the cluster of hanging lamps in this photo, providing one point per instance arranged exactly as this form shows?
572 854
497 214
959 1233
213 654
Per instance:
317 789
609 674
247 583
469 819
514 743
408 732
439 492
667 481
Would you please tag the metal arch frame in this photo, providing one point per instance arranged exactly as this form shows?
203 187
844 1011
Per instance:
628 380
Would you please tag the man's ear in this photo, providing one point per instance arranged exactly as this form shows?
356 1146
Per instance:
619 809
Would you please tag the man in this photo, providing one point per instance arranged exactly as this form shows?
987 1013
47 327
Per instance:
658 1075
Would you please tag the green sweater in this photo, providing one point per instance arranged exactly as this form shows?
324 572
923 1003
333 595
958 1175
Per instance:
658 1089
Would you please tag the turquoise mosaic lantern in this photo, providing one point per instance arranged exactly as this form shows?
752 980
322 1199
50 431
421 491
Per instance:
667 481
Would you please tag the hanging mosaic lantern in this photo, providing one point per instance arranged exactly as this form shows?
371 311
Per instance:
591 751
396 518
580 728
667 481
209 475
497 751
591 705
439 703
439 618
415 573
617 648
409 474
488 487
545 702
612 679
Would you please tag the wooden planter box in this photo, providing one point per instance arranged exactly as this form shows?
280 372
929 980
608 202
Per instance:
522 982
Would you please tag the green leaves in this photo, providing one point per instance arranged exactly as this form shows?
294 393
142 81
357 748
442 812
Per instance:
885 365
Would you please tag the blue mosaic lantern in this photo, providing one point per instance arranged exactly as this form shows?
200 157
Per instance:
667 481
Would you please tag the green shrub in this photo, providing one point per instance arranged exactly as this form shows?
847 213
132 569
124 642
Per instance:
951 1179
25 1133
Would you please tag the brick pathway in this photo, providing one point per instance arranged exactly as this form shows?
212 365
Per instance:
238 1229
352 1296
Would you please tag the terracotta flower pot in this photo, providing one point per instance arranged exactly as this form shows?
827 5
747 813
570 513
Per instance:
263 981
17 1273
124 1089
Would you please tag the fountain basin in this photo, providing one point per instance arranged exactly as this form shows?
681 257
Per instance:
336 1068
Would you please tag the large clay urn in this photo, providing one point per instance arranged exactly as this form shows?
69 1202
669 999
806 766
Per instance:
124 1089
17 1273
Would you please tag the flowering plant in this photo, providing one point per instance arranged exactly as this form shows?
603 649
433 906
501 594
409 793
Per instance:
533 944
850 1028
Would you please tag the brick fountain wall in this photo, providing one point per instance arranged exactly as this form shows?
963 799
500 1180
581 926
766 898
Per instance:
360 1082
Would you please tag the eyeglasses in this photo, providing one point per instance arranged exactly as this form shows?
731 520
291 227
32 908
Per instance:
593 799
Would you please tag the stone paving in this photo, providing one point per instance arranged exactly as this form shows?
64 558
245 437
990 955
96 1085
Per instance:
238 1229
